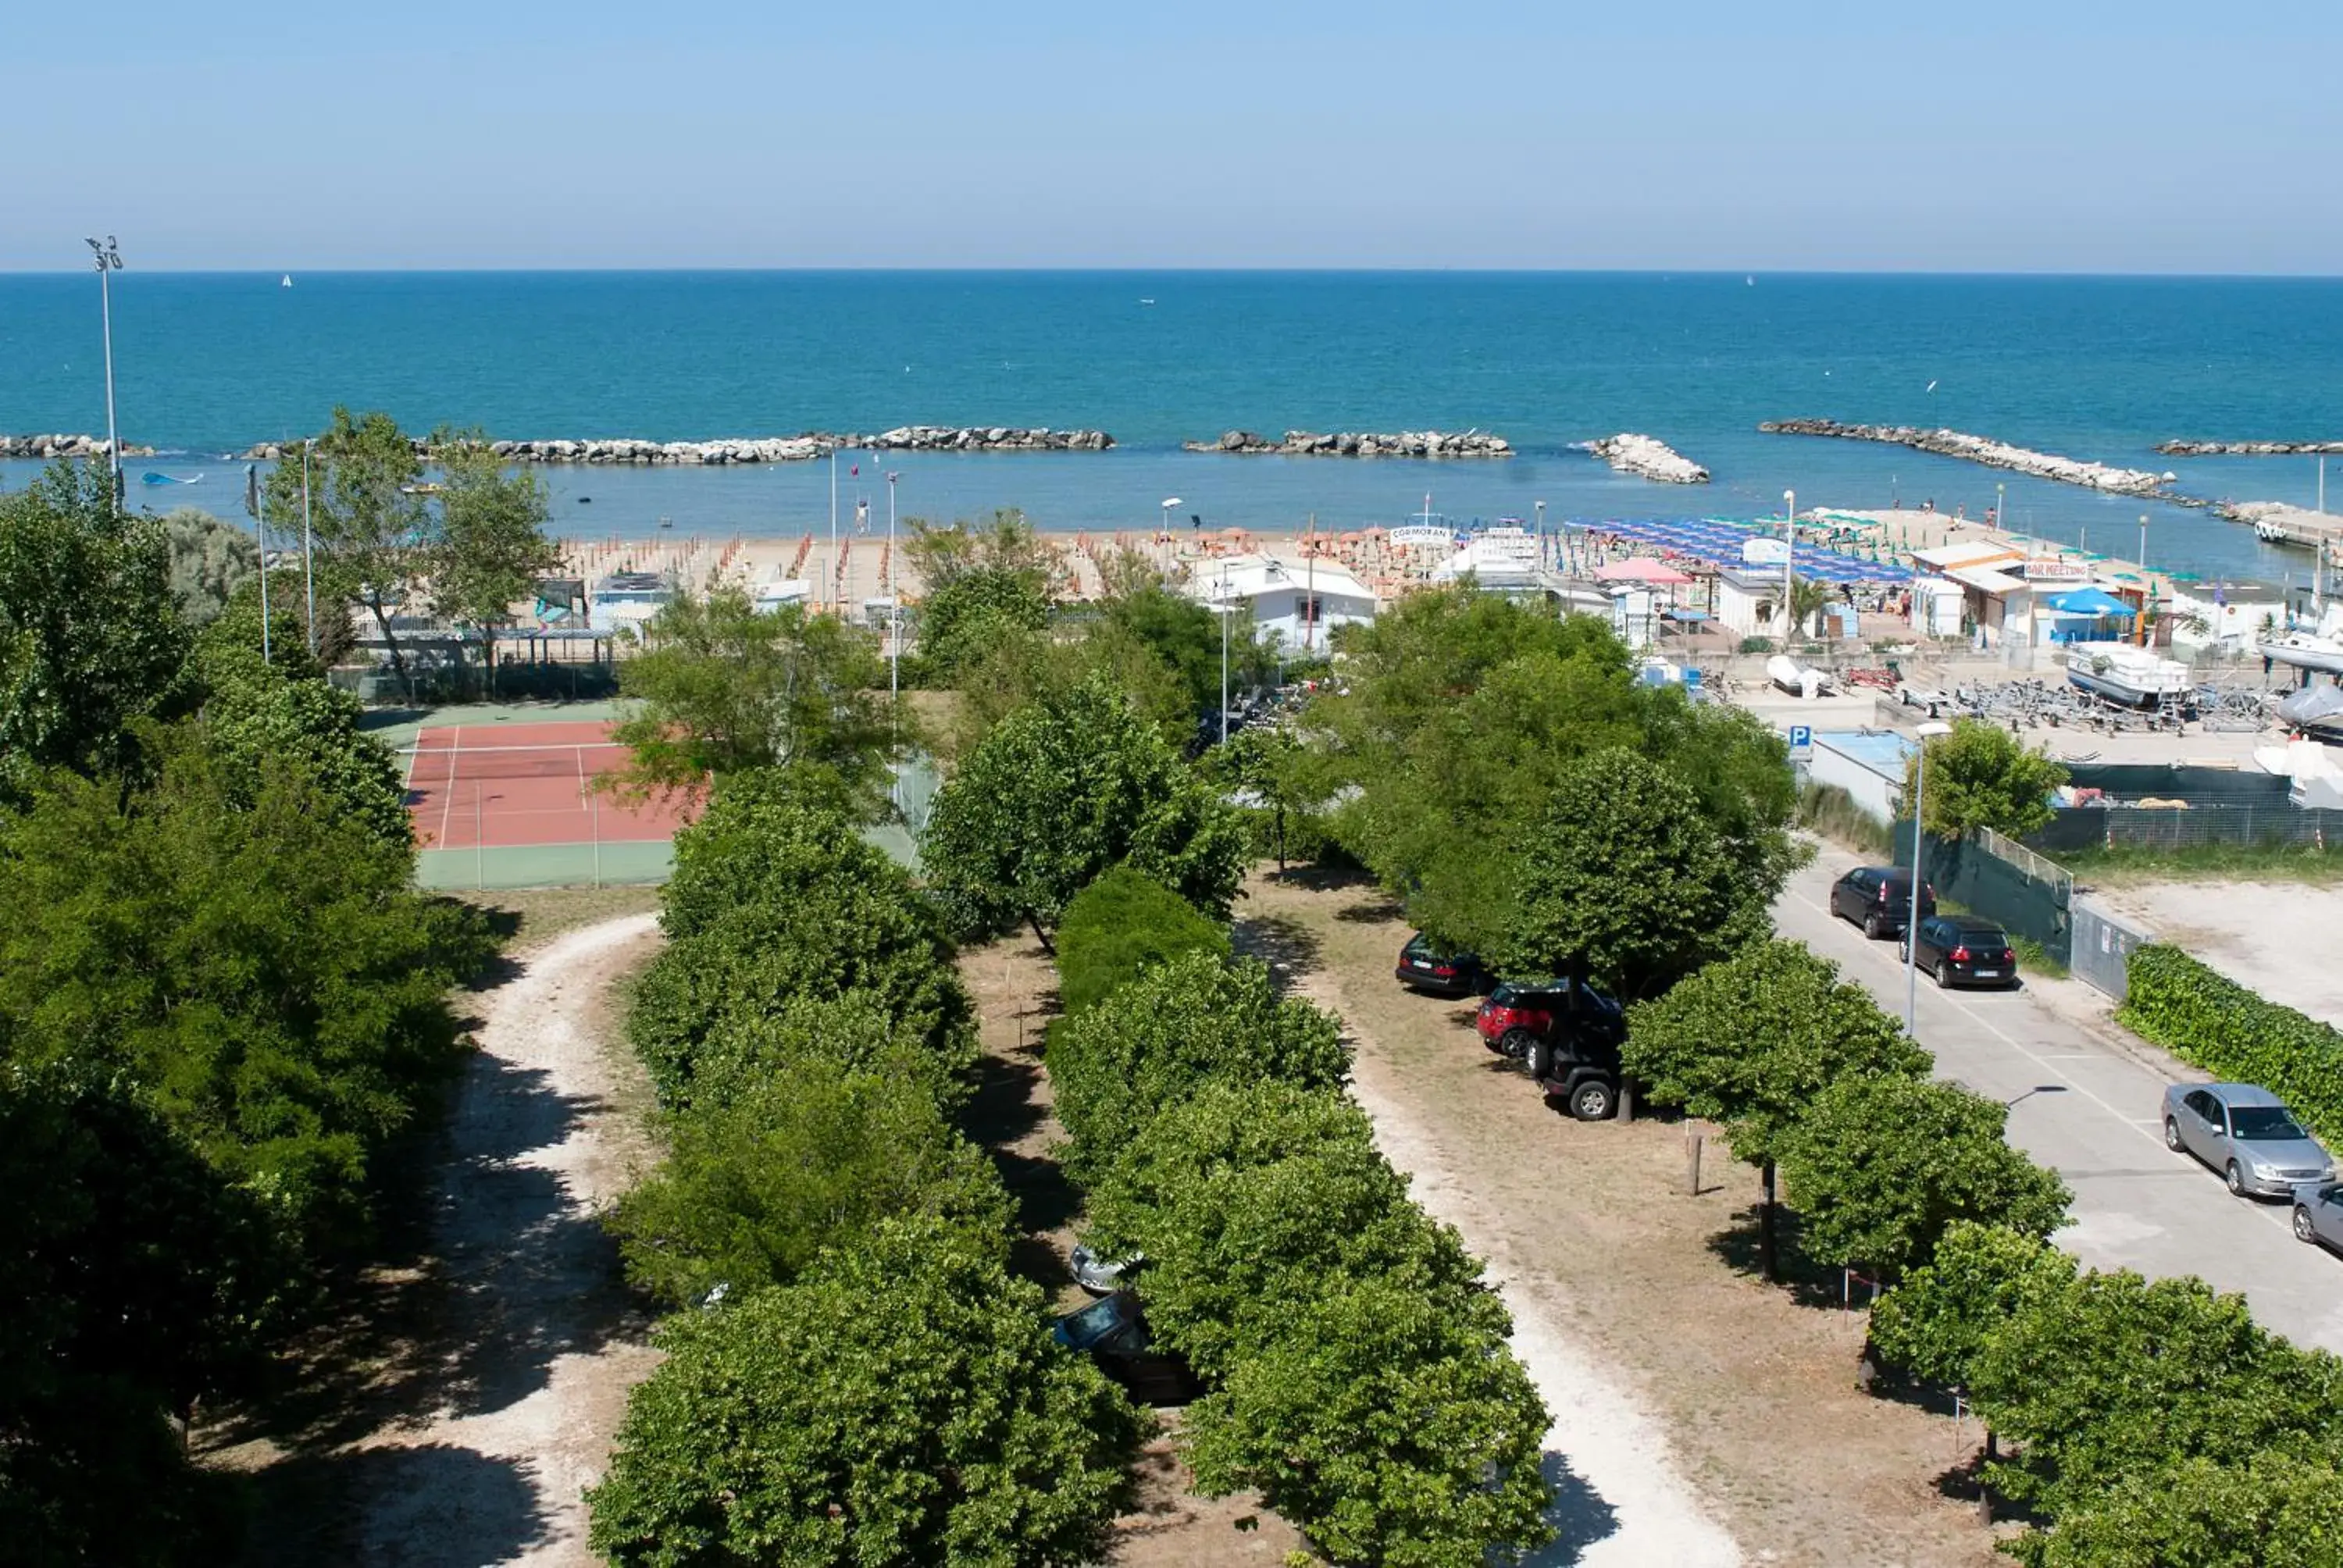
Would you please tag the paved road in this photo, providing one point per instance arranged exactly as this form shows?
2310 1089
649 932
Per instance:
2092 1111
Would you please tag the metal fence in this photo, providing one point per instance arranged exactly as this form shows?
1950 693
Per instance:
2040 867
2179 827
2029 898
2102 945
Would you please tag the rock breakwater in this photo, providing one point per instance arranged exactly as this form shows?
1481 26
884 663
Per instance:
1356 443
1648 458
1982 450
803 449
2250 448
41 448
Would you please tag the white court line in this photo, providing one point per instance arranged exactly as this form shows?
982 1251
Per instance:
448 806
2134 1123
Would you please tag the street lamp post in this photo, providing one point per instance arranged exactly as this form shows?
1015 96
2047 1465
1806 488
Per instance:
829 570
109 260
1224 650
1789 556
1926 732
1163 534
2001 507
2146 583
894 604
1542 565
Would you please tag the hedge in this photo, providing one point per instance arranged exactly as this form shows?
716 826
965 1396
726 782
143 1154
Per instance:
2207 1019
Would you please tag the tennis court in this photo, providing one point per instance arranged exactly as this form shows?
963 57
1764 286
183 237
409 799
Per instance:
514 806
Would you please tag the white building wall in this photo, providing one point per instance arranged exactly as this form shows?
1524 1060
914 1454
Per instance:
1872 792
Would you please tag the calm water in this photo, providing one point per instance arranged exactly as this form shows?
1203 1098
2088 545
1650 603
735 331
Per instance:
2091 368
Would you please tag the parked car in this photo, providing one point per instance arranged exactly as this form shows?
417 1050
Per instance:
1566 1034
1103 1276
1425 966
1958 951
2318 1213
1112 1331
1879 899
2246 1133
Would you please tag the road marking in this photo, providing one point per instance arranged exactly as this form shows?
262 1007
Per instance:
2135 1123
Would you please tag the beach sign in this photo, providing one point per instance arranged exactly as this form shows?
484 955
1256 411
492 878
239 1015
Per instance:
2057 569
1420 535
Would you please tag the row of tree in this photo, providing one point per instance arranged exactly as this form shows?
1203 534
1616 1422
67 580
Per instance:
853 1375
1360 1378
220 1002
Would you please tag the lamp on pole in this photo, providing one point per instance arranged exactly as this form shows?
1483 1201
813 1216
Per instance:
1789 557
2001 507
1541 534
2146 583
1926 732
1163 534
894 603
829 570
109 260
1224 650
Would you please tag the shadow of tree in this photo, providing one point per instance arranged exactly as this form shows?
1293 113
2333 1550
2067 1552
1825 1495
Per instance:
1740 1246
1580 1515
441 1506
1289 948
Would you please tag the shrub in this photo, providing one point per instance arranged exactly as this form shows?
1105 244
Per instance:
903 1403
1119 924
1933 1323
1982 776
753 1188
2200 1514
1155 1040
2205 1018
1879 1166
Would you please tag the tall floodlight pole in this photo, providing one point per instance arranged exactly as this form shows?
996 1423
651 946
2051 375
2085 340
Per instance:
1540 536
309 553
2146 583
260 539
1224 650
894 603
830 585
1789 556
109 260
1926 732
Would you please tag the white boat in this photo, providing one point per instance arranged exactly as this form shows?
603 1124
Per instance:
2136 676
2304 651
1799 679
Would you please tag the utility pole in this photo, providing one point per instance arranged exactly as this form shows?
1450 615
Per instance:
1224 650
309 553
109 260
830 573
894 604
1789 557
260 539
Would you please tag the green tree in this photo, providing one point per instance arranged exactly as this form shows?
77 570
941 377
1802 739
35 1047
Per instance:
900 1404
90 635
1388 1427
726 687
964 622
1879 1166
754 1187
1062 790
245 951
1151 1042
1934 1321
2115 1376
773 900
1626 882
1982 776
2273 1506
376 536
492 547
1752 1039
1023 668
210 561
1118 926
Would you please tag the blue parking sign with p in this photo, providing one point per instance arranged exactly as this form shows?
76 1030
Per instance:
1801 740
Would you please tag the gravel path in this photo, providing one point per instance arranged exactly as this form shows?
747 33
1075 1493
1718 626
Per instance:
540 1340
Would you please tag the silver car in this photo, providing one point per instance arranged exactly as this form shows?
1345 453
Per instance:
2246 1134
2318 1213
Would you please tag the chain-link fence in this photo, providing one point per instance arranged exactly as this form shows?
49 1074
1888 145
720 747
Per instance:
2194 823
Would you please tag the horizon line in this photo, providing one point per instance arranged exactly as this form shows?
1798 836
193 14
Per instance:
1135 269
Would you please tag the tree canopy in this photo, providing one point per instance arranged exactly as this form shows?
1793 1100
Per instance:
1062 789
1752 1039
90 634
1118 926
901 1402
1982 776
375 534
492 548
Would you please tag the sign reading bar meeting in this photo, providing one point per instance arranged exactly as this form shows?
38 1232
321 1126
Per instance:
2057 569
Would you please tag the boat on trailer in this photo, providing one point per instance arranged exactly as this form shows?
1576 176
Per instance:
2121 672
2304 651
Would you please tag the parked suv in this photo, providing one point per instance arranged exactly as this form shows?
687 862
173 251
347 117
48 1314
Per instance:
1566 1035
1879 899
1425 966
1959 951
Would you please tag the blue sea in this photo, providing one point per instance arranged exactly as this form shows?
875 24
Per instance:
2089 367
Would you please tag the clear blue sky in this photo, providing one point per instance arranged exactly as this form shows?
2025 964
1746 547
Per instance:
2048 134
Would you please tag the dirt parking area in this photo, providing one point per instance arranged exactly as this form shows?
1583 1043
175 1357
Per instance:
2274 938
1753 1382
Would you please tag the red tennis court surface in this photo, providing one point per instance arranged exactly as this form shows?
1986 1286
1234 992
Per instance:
491 785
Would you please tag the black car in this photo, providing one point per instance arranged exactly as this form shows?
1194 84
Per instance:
1425 966
1566 1035
1879 899
1112 1331
1962 951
